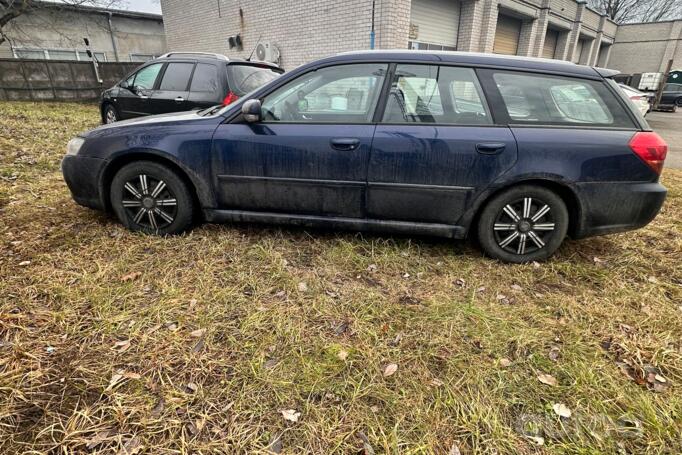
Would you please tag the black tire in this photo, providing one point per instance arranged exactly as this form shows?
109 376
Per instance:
150 197
110 114
543 230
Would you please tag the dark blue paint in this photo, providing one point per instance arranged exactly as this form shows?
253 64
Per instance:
399 173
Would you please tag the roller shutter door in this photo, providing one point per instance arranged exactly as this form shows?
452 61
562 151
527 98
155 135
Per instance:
551 39
436 21
507 35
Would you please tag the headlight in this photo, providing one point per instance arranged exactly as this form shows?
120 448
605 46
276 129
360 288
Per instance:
74 145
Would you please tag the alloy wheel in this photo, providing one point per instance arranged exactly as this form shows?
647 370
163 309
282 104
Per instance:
110 115
149 202
524 226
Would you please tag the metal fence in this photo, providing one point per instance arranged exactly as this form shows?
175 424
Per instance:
57 80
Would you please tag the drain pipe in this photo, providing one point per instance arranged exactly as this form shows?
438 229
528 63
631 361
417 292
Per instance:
111 34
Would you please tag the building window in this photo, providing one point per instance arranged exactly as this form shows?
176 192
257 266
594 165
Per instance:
56 54
421 46
142 57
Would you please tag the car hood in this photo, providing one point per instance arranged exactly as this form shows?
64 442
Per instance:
156 120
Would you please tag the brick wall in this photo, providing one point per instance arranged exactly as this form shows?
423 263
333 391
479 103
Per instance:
302 30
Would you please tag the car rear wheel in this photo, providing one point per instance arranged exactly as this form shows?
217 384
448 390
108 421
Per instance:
522 224
150 197
110 114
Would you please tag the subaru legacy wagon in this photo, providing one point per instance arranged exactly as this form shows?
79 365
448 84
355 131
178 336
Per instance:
517 152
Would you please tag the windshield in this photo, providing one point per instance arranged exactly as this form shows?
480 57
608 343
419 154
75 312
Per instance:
247 78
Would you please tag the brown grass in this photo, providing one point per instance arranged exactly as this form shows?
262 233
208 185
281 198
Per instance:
599 317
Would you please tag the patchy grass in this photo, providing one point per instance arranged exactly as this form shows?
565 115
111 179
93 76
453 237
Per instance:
112 341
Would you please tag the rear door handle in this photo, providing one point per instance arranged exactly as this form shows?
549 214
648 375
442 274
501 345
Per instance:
490 148
345 143
179 99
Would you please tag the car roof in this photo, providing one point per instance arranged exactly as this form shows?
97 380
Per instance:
474 59
210 57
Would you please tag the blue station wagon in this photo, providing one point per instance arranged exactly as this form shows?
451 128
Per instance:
517 152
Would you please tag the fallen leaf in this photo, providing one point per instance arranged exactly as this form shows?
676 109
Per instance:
121 346
562 410
372 268
539 440
554 354
198 333
342 355
652 279
406 275
50 349
436 382
454 450
199 345
191 387
131 447
302 287
115 379
366 446
172 326
516 287
547 379
153 329
24 263
505 362
481 289
290 414
280 294
99 438
597 260
131 276
270 364
459 282
390 369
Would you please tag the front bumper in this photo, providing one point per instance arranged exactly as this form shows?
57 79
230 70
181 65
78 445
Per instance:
82 175
608 208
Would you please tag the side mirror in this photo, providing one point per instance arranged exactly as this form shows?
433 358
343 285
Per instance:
252 112
124 84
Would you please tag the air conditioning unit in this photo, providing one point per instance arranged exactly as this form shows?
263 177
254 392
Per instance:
267 52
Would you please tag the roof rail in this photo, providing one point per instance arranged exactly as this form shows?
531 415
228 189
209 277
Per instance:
202 54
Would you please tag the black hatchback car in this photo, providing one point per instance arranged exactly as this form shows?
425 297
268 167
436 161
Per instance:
183 81
518 152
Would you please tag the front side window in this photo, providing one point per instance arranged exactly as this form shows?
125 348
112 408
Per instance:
338 94
555 100
176 77
435 94
146 77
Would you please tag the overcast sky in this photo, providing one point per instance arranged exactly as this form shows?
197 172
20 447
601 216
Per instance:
148 6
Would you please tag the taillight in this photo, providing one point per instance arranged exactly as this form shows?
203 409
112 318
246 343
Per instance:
636 98
230 98
651 148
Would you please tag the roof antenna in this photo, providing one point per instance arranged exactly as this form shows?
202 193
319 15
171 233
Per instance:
254 49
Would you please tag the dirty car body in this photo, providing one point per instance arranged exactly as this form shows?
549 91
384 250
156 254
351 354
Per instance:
521 152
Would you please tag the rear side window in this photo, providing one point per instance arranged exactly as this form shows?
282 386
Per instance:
435 94
247 78
205 78
176 77
554 100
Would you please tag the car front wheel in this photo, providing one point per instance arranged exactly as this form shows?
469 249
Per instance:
110 114
150 197
522 224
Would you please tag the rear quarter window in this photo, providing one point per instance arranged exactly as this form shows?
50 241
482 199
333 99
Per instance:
554 100
246 78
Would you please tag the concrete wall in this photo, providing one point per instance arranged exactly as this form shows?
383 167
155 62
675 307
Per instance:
56 80
302 30
645 48
58 28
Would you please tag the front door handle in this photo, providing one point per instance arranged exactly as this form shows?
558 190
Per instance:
179 99
490 148
345 143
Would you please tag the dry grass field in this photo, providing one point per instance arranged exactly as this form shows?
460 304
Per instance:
250 339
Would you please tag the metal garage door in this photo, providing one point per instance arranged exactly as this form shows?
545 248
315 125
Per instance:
507 35
434 22
549 49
